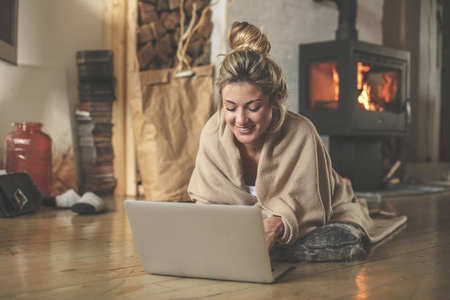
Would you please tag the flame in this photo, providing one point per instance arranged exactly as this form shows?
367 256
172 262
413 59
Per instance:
384 92
388 89
335 82
360 76
364 98
324 86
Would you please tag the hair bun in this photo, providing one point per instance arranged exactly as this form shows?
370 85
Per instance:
244 36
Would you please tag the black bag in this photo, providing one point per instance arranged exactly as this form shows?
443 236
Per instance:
18 195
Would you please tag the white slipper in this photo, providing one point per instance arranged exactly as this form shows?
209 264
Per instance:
65 200
89 203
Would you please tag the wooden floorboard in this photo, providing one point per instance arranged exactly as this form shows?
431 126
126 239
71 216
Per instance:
56 254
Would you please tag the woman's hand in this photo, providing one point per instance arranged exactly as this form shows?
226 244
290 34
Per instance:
274 228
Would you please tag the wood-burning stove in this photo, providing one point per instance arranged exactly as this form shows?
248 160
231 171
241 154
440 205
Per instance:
354 88
357 93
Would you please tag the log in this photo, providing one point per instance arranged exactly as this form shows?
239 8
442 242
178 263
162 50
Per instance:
174 4
145 34
157 29
201 4
162 5
147 13
163 49
145 55
205 57
206 29
204 3
172 20
176 37
194 48
163 16
195 37
188 7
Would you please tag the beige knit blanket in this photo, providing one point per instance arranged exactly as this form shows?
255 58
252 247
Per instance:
295 180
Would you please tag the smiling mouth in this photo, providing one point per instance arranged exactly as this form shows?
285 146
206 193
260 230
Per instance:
245 129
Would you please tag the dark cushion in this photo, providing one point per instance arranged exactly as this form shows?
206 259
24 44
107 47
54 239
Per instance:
331 242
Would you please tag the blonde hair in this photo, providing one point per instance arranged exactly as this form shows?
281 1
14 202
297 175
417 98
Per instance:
249 62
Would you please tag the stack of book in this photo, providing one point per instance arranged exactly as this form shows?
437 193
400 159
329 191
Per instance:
94 121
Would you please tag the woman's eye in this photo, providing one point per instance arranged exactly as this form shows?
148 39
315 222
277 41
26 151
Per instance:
230 108
254 109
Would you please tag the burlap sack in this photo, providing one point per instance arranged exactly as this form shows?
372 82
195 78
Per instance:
168 115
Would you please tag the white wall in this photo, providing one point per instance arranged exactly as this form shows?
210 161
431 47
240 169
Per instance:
43 87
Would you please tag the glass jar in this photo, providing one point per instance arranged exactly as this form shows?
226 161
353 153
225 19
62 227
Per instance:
28 149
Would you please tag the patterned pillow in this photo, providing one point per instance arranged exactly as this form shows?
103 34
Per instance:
331 242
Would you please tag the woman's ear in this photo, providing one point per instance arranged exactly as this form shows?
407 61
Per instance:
278 96
276 100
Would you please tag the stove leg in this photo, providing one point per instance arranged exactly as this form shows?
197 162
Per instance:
359 159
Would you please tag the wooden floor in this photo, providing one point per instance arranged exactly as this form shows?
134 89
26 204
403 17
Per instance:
55 254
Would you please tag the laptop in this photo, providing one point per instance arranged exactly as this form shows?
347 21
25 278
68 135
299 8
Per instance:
225 242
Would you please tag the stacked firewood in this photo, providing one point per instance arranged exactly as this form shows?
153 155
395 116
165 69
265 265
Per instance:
160 30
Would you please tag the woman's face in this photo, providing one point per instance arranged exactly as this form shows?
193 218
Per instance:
247 112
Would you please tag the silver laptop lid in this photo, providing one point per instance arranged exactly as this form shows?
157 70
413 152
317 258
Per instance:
197 240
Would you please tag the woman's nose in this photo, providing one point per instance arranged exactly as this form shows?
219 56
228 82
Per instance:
241 117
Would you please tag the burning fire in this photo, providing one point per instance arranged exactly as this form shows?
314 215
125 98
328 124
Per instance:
389 87
377 87
360 75
335 82
386 91
363 86
324 86
364 98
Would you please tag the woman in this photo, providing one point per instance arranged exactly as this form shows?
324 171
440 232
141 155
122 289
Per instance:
255 152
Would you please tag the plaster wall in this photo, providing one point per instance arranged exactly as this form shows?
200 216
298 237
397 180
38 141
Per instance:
43 86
